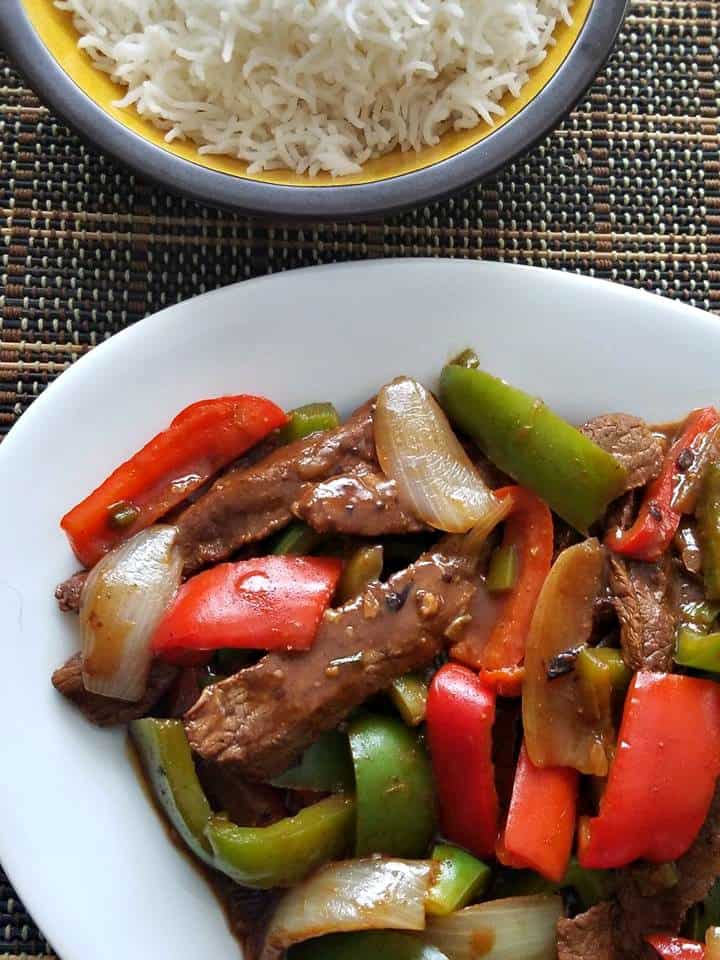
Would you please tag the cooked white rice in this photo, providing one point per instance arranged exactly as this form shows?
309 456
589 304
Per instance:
311 85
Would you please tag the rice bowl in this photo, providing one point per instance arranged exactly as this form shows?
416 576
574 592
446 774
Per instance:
316 85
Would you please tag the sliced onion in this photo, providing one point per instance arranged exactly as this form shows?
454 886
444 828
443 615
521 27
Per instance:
372 894
417 449
712 943
520 928
123 599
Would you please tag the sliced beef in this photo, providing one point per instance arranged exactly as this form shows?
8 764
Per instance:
104 711
631 441
249 503
589 936
362 502
644 908
68 592
247 804
641 596
262 718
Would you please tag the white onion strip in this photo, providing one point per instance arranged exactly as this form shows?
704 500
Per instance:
123 599
519 928
372 894
417 448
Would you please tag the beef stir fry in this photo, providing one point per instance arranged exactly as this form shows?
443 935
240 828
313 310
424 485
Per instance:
440 681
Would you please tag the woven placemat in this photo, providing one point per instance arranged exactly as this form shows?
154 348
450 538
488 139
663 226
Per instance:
628 188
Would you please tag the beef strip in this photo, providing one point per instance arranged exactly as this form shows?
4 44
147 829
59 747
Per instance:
247 804
105 711
631 441
645 909
262 718
363 501
589 936
645 610
68 592
248 504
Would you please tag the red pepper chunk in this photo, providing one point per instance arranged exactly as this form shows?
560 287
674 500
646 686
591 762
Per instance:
663 775
657 521
269 603
202 439
460 717
540 824
676 948
528 528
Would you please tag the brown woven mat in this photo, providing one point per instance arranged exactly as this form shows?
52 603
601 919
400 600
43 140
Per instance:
628 189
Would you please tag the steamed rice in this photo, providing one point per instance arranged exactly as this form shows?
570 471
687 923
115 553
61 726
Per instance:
316 85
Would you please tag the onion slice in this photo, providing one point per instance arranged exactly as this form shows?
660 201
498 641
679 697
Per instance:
372 894
519 928
123 599
417 448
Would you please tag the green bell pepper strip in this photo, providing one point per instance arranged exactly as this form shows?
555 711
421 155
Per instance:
700 614
325 767
362 567
701 651
394 788
365 945
167 760
603 680
539 449
296 540
311 418
708 517
503 571
409 696
287 851
460 878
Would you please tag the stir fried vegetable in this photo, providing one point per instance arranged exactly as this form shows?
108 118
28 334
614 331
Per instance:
658 519
558 731
458 879
394 788
460 716
602 679
287 851
712 943
325 767
122 602
540 824
201 439
372 945
676 948
529 533
538 449
350 895
708 514
521 928
296 540
409 695
701 651
362 567
663 775
417 448
266 603
311 418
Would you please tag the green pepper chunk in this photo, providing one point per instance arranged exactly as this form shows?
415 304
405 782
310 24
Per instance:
394 788
296 540
701 614
708 516
365 945
701 651
591 886
503 571
460 879
539 449
409 696
283 853
310 418
362 567
603 679
167 759
325 767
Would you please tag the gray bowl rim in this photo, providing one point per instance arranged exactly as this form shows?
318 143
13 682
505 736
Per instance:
591 49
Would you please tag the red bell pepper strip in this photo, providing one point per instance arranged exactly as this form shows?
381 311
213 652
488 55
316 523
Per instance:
676 948
268 603
202 439
506 682
657 521
663 774
540 824
460 716
528 528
